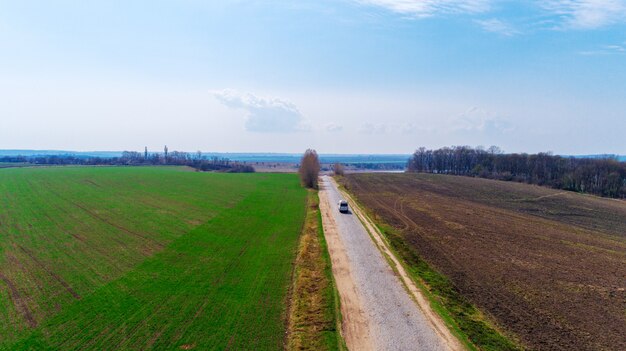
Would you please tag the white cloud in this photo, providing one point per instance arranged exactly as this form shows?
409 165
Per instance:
495 25
333 127
587 14
606 50
569 14
373 128
409 128
428 8
616 48
264 115
412 128
406 128
477 119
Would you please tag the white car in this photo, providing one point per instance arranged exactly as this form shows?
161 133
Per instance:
343 206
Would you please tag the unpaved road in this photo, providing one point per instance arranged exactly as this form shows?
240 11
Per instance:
378 311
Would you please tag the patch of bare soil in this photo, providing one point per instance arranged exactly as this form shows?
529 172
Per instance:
56 277
548 267
19 301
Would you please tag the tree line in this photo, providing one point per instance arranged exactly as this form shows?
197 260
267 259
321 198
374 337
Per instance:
598 176
133 158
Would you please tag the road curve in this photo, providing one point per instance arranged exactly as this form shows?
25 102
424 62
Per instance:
378 312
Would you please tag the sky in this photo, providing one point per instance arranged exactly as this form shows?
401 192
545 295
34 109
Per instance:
339 76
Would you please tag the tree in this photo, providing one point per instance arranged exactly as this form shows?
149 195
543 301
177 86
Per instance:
309 169
604 176
132 158
339 169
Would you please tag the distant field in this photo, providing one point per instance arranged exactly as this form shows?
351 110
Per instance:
237 156
548 266
132 258
12 164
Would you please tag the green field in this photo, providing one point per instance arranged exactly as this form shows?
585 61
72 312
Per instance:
134 258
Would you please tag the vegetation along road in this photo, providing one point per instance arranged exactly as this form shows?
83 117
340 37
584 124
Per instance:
378 311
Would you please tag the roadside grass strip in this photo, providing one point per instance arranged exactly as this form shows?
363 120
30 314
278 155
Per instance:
314 320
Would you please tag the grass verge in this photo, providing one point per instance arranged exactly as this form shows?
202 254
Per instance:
472 327
314 316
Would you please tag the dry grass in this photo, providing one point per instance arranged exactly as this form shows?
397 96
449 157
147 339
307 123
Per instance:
313 310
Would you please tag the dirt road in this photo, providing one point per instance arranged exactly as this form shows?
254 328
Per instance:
381 309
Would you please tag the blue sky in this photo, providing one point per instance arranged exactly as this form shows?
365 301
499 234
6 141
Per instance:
343 76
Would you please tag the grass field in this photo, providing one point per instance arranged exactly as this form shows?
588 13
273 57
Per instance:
547 267
134 258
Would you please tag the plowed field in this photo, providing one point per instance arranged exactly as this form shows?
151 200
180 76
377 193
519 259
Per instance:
548 267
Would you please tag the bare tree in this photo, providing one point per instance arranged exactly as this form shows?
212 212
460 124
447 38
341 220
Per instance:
339 169
310 169
604 176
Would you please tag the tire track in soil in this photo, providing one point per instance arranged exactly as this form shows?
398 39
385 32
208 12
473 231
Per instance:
55 276
18 302
91 213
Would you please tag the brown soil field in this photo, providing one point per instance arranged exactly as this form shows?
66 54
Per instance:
548 267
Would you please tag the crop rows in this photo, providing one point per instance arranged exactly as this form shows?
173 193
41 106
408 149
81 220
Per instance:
119 258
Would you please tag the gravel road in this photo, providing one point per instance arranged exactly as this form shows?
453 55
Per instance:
394 320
